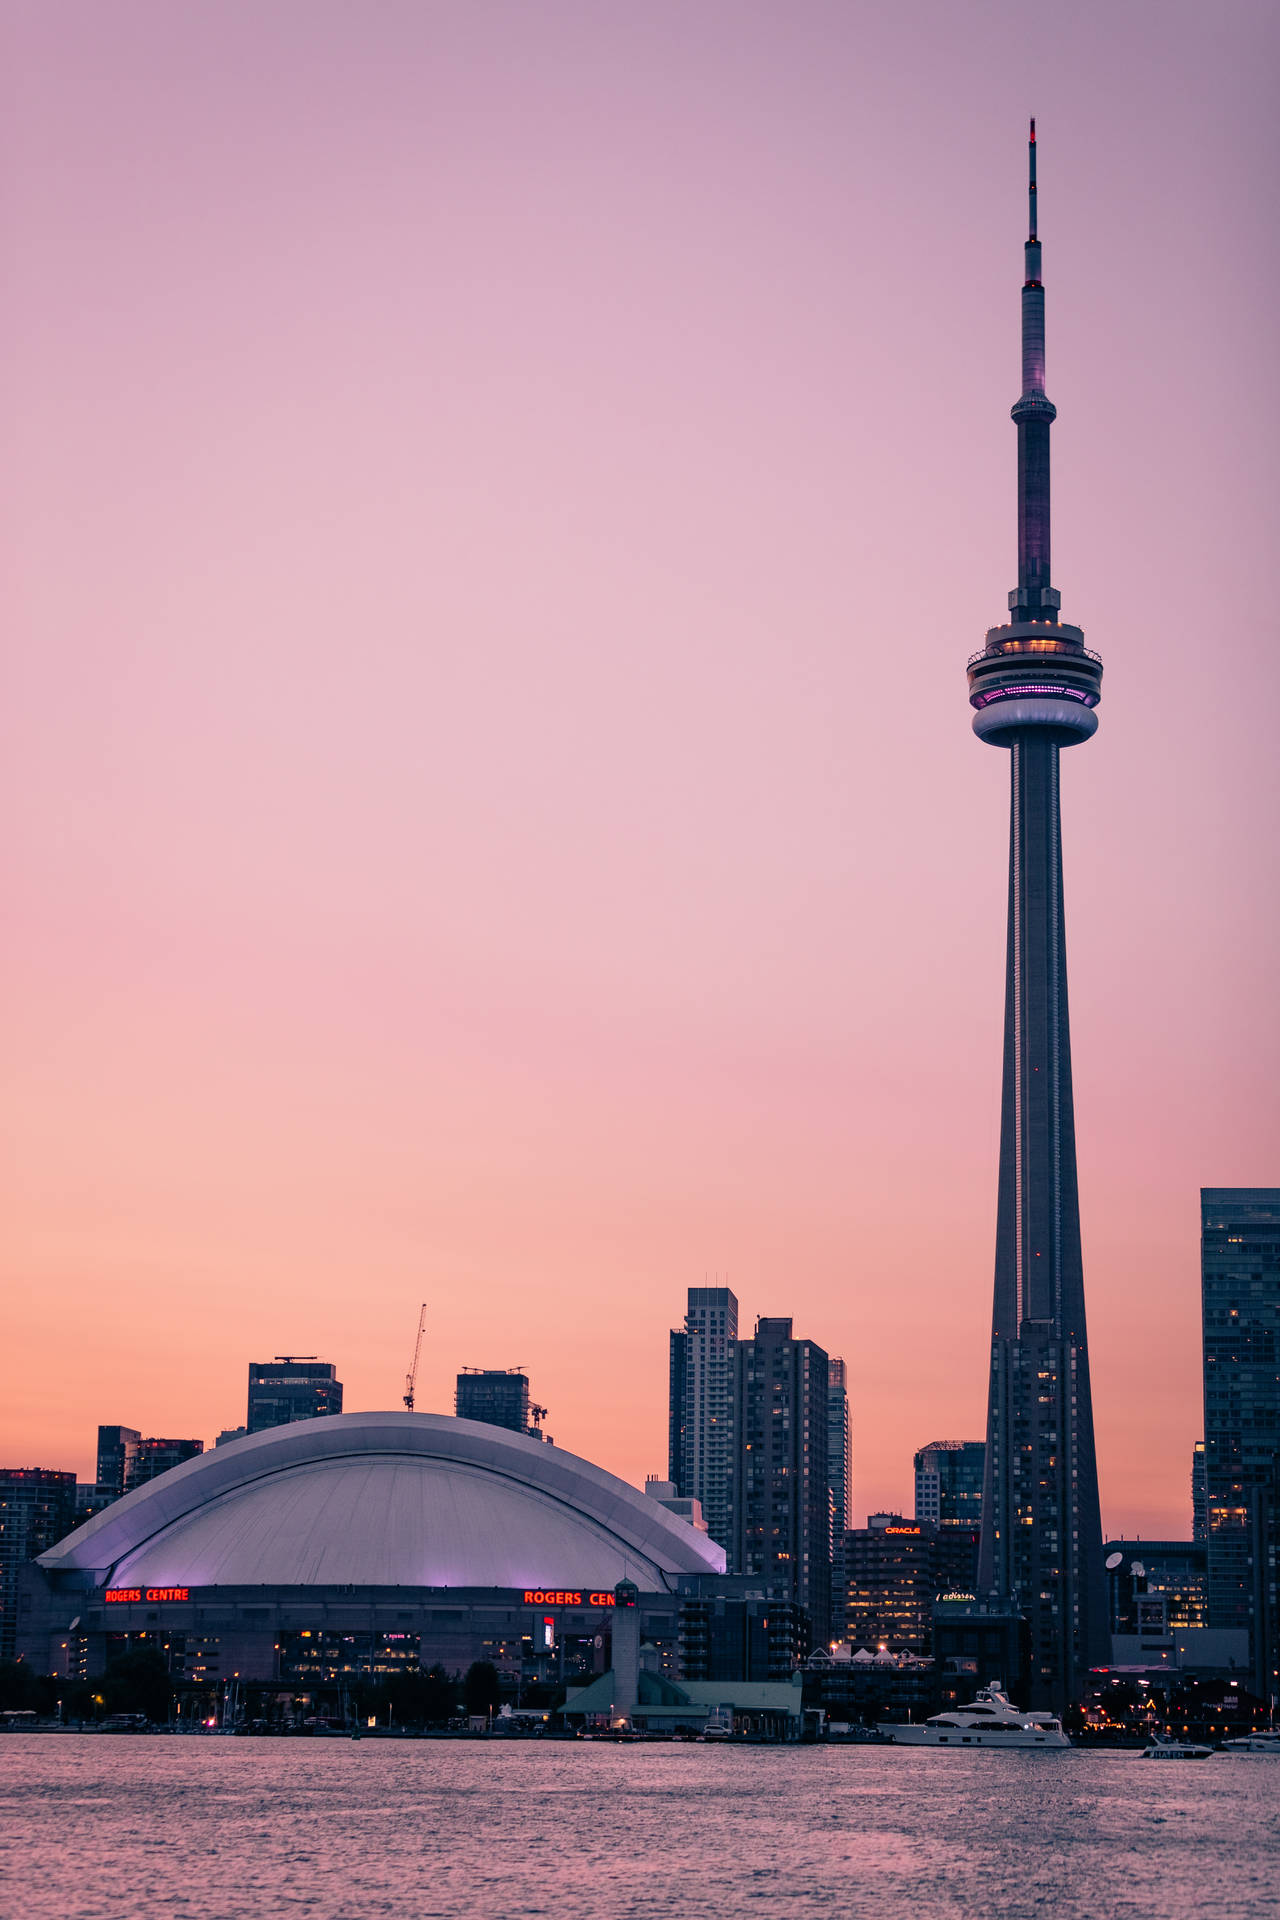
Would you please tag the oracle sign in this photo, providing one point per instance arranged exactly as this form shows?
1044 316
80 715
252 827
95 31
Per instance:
565 1597
902 1529
119 1594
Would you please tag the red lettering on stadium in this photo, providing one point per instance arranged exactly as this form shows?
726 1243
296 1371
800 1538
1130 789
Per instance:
119 1594
565 1597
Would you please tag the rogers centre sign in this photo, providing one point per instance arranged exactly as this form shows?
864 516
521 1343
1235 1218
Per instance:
147 1593
560 1597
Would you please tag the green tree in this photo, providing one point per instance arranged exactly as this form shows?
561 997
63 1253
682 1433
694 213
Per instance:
21 1690
138 1682
422 1699
481 1690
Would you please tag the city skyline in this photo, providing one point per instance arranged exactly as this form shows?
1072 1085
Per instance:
460 845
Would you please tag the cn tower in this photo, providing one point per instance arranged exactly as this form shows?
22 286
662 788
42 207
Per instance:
1034 689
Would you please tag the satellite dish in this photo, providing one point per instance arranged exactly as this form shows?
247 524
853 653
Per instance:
1139 1569
1113 1561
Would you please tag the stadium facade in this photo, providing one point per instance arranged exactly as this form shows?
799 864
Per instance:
361 1545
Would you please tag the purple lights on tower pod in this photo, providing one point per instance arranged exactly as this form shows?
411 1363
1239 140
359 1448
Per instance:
1033 688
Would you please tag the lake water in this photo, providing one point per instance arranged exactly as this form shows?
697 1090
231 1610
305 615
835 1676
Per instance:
212 1829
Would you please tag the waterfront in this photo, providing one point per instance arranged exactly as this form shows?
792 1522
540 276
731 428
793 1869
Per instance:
213 1829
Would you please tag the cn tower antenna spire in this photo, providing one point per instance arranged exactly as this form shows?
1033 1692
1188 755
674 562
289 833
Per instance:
1031 178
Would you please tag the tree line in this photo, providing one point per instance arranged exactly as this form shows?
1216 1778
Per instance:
138 1681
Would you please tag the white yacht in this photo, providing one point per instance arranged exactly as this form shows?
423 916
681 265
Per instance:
991 1721
1161 1749
1265 1740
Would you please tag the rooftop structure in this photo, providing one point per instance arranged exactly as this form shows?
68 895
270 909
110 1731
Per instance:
384 1500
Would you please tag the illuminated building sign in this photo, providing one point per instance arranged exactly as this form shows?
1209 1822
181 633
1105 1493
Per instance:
902 1529
147 1593
560 1597
957 1596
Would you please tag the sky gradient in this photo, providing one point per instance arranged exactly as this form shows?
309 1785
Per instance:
496 503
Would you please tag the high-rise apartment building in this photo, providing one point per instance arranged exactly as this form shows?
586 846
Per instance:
498 1396
291 1387
1199 1498
781 1482
1033 688
1240 1277
37 1509
700 1445
839 1471
117 1450
126 1460
153 1457
949 1476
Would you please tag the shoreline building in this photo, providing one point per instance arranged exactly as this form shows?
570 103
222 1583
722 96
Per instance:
700 1448
781 1486
1240 1269
302 1559
1033 688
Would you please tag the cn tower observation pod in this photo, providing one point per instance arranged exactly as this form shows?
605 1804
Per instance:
379 1500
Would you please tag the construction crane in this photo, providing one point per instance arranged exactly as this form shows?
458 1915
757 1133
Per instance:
412 1374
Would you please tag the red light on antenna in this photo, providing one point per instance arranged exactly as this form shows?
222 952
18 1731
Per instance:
1033 133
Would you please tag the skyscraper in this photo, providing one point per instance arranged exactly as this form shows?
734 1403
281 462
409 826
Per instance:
781 1483
37 1509
1240 1275
1199 1497
892 1584
949 1476
154 1457
1033 688
700 1422
126 1460
291 1387
497 1395
839 1475
117 1451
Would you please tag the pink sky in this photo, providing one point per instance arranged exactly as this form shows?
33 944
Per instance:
497 500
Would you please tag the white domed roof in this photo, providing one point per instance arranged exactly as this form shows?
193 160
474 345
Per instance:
385 1500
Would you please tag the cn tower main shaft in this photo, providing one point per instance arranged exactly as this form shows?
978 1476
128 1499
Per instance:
1034 687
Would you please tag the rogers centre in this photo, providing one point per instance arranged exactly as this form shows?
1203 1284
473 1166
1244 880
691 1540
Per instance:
363 1543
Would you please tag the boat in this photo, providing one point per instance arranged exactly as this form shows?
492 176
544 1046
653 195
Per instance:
991 1720
1174 1750
1265 1740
